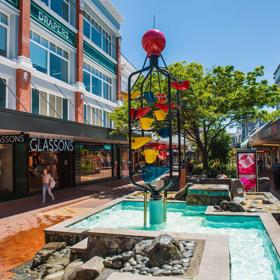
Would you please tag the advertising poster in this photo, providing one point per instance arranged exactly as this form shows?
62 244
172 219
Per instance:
247 169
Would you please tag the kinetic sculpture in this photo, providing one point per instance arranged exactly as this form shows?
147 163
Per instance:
152 114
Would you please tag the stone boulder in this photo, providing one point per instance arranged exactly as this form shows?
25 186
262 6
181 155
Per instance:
232 206
56 246
55 276
143 247
70 272
236 188
163 250
91 269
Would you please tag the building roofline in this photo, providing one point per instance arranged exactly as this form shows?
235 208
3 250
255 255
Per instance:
131 64
278 67
114 12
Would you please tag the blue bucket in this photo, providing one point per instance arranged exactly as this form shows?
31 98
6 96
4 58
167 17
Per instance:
151 173
150 97
164 132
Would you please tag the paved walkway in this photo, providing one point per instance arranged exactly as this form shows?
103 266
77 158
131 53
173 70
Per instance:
22 221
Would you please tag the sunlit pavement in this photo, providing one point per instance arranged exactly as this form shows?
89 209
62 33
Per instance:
22 221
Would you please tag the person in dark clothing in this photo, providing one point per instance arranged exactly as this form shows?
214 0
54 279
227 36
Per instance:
276 173
260 165
189 167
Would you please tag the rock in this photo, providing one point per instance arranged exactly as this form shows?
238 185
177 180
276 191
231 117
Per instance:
153 269
143 247
55 276
117 258
143 272
60 260
167 267
91 269
55 268
56 246
145 269
132 261
187 254
236 188
117 264
166 272
128 269
158 272
176 266
164 249
139 258
177 272
108 262
175 262
231 206
71 270
127 255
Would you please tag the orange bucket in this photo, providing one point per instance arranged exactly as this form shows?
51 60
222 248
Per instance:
146 123
160 115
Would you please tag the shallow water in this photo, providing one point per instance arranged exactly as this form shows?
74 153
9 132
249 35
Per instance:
253 256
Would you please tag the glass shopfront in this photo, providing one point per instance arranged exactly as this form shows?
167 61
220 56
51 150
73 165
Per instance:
56 156
95 161
6 168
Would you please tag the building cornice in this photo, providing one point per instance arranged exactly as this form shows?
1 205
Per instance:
114 12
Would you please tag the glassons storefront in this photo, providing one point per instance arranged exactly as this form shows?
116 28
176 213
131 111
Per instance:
95 161
55 155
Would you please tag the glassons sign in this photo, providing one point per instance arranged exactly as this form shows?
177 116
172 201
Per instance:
47 20
50 145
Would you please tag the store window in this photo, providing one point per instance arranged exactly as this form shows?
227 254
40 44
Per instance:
6 168
49 58
65 8
3 34
50 105
98 83
96 162
93 116
98 35
3 92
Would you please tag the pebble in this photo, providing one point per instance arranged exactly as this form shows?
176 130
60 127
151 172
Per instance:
166 272
176 266
132 261
177 272
143 272
175 262
128 269
127 255
158 272
154 269
167 267
117 264
187 254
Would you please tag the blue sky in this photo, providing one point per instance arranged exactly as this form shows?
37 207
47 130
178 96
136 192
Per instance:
243 33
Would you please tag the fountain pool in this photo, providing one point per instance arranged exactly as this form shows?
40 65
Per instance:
252 253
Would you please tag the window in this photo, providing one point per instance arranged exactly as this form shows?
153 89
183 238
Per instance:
2 93
98 35
49 105
98 83
3 34
106 119
65 8
95 116
49 58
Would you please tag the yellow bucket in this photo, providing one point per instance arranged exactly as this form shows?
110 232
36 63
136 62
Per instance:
146 123
138 142
134 95
160 115
150 155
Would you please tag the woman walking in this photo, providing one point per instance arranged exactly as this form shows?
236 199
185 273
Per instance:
46 181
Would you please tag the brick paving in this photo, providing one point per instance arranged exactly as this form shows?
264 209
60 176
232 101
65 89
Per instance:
22 221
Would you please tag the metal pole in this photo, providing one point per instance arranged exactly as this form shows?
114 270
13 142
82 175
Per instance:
145 208
165 205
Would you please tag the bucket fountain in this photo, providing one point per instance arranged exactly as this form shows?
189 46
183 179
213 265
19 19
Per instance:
152 112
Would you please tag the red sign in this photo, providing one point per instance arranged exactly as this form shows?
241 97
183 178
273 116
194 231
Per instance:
247 169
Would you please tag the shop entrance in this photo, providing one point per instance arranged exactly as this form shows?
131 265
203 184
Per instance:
57 156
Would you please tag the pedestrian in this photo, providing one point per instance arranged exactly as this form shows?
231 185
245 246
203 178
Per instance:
47 182
222 175
189 167
260 165
276 173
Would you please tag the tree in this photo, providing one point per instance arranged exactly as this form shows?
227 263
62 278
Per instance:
218 98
